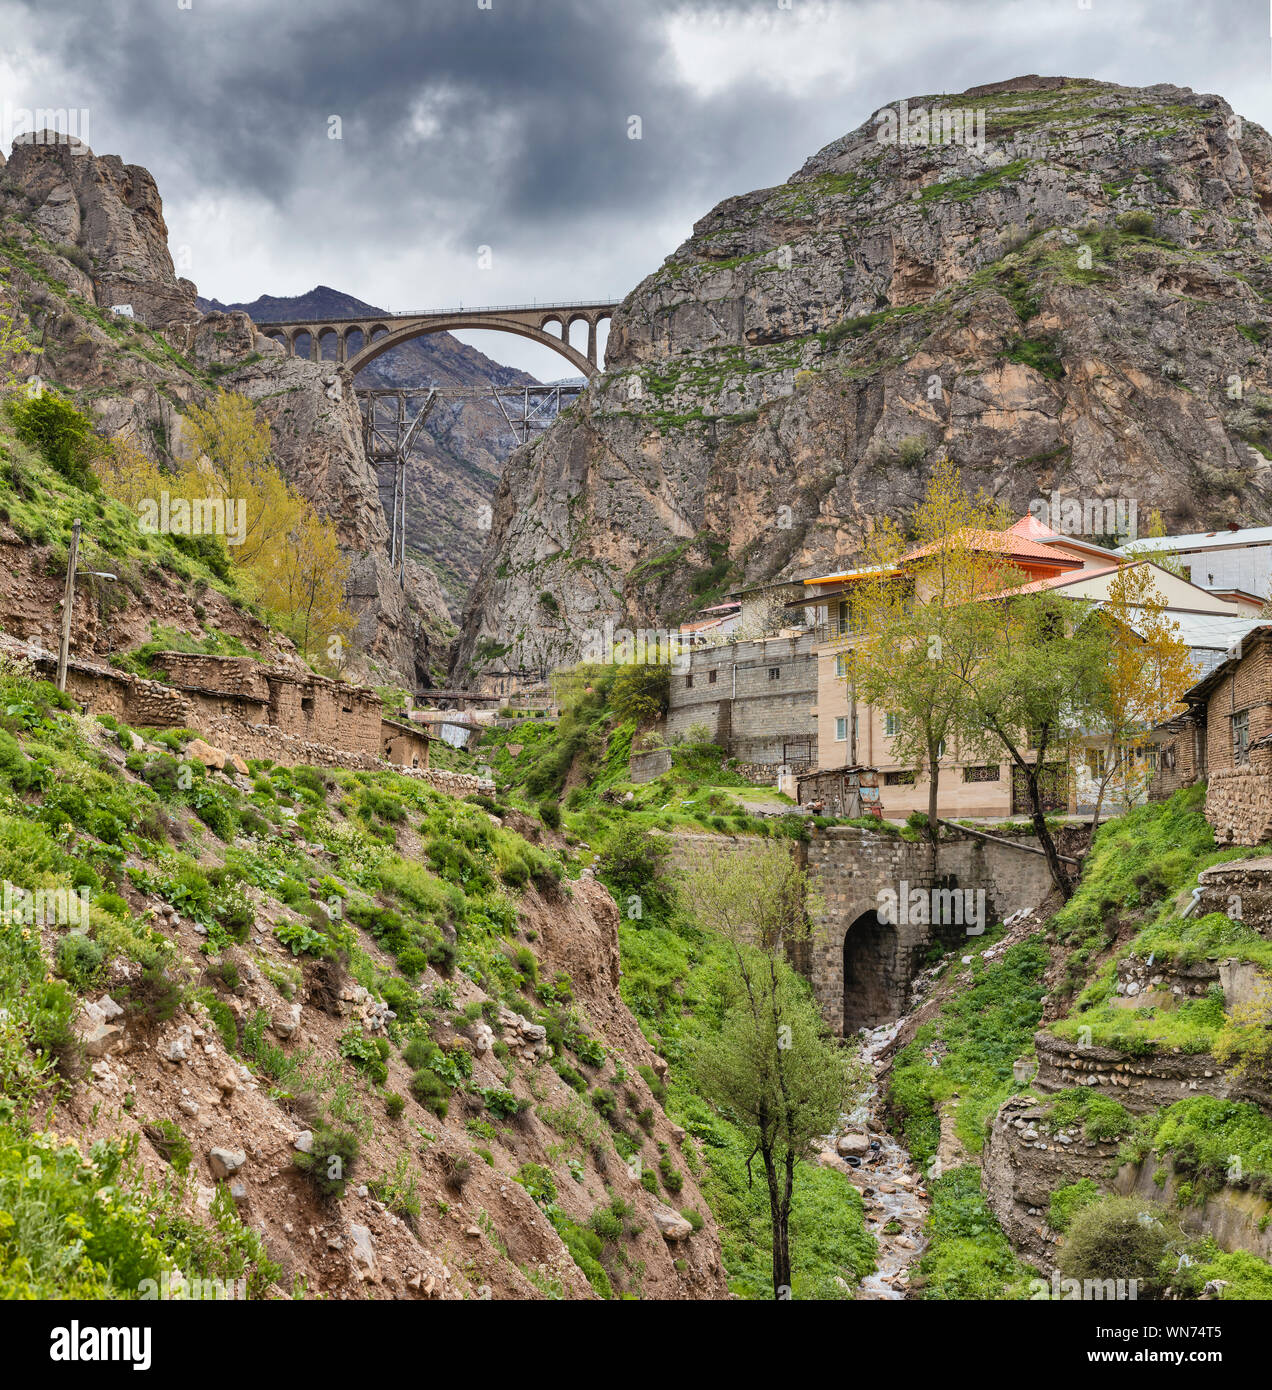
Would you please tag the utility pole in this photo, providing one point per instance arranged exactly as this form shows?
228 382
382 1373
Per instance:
852 714
68 602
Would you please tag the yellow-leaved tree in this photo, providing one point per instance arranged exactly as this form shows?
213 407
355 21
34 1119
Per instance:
303 583
289 554
911 653
14 343
1148 668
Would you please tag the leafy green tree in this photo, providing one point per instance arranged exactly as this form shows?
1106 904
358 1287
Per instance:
1042 676
641 693
50 423
771 1066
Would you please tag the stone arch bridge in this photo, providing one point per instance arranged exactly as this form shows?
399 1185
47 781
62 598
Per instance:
353 342
859 963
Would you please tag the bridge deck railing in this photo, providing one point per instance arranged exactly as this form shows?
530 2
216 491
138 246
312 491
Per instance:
439 313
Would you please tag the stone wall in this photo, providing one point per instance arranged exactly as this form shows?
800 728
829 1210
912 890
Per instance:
1027 1157
645 767
860 967
1139 1083
226 675
1239 800
238 724
765 774
1240 889
849 868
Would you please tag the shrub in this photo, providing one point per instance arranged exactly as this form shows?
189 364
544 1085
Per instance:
431 1092
394 1104
367 1054
419 1052
605 1102
170 1143
606 1224
457 1169
538 1182
1120 1238
79 960
62 434
331 1160
1137 223
550 814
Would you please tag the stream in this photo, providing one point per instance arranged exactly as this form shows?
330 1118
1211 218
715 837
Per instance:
893 1190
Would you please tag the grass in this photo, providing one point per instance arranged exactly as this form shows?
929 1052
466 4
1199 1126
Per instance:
968 1256
968 1049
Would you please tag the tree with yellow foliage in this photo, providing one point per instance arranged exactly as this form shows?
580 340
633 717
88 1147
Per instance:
303 582
231 446
286 555
1148 666
912 653
14 343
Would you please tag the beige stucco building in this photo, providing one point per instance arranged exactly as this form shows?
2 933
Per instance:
969 787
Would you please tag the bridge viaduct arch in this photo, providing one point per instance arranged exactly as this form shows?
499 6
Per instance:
359 341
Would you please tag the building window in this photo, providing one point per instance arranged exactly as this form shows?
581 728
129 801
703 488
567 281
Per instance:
841 666
841 728
982 774
307 704
1095 761
1241 736
892 725
775 673
689 681
711 677
899 779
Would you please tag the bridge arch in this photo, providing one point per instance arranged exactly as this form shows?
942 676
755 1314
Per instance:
870 974
467 323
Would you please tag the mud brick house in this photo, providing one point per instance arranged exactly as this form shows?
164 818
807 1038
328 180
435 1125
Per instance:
1233 707
404 744
254 711
301 704
1178 751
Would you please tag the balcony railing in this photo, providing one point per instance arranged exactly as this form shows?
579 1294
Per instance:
834 630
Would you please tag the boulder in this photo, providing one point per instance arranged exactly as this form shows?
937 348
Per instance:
362 1250
206 754
853 1144
671 1225
225 1162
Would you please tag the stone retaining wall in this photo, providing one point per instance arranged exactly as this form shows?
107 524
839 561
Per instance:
1239 801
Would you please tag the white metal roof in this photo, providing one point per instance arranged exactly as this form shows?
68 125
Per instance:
1200 540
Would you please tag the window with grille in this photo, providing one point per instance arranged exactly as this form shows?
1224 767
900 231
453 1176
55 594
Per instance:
1241 736
899 779
982 774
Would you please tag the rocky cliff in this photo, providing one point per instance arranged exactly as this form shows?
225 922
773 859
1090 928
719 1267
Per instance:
83 234
1074 304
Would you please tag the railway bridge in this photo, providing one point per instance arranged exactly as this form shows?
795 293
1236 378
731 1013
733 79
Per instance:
353 342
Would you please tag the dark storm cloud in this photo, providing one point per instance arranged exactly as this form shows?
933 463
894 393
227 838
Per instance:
507 125
524 106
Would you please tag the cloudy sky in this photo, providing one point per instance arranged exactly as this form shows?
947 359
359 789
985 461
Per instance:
504 124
